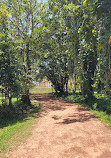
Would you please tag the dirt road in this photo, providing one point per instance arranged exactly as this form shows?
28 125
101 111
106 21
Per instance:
65 130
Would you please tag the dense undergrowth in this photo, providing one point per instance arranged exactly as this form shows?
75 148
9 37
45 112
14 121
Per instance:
100 105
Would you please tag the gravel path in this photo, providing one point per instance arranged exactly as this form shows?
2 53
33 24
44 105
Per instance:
65 130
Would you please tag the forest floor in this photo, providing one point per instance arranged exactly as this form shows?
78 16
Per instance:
65 130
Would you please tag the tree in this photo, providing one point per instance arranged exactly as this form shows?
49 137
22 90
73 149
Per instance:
103 11
8 61
82 27
24 19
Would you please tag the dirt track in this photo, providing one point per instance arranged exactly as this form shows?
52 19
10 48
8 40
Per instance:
65 130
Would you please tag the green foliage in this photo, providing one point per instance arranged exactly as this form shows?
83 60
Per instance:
55 68
60 40
101 103
103 116
75 98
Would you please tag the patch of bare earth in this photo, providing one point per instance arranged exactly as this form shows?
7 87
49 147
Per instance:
65 130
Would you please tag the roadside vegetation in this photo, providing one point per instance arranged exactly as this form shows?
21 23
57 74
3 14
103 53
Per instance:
100 105
16 127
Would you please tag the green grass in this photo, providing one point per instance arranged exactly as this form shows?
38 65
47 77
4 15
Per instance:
14 134
41 90
14 100
103 116
16 130
100 106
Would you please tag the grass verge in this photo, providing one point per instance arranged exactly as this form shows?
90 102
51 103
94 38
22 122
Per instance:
103 116
14 131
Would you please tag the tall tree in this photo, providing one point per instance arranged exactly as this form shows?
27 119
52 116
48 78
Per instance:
8 60
24 19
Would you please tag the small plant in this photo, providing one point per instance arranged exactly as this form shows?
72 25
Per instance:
95 106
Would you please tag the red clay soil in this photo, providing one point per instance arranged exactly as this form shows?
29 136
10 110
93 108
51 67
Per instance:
65 130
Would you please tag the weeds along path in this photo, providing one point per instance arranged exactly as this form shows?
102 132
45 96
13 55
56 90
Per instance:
65 130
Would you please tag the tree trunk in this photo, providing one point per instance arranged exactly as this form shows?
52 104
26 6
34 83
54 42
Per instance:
28 98
10 102
84 87
6 96
75 78
90 89
66 87
29 73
